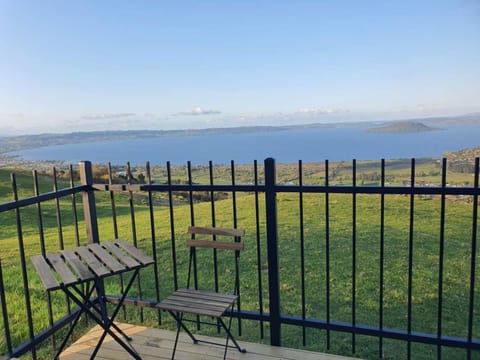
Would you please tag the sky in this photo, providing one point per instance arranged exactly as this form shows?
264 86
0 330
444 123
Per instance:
116 65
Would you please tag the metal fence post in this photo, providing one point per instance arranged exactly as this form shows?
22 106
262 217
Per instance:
88 199
272 246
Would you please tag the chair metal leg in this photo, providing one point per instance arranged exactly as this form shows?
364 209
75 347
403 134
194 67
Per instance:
230 336
176 338
226 340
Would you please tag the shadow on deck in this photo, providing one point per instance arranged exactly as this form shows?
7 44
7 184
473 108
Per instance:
154 344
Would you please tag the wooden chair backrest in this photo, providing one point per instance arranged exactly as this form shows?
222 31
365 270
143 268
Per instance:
215 244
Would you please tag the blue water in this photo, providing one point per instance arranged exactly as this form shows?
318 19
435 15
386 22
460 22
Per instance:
309 145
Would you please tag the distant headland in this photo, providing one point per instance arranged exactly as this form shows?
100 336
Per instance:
403 127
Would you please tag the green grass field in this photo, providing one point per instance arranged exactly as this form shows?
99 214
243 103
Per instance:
458 235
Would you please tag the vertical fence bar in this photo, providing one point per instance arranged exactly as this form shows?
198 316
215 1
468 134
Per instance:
134 231
212 211
74 207
473 261
57 211
41 233
382 258
302 251
410 256
42 249
234 195
172 225
88 200
23 264
354 250
192 221
59 227
237 254
154 239
259 252
272 246
214 223
3 303
115 229
131 204
327 251
112 202
441 257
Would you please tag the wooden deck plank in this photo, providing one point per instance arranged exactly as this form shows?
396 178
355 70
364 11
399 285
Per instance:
157 344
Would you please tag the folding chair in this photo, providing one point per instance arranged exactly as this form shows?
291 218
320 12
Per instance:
206 303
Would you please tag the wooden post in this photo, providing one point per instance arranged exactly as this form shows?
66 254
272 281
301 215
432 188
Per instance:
88 197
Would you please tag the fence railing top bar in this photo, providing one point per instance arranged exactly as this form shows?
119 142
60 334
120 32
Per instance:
176 187
340 189
11 205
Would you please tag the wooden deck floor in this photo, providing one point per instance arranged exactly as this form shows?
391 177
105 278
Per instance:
155 344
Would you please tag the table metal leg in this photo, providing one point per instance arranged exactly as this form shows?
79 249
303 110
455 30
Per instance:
103 320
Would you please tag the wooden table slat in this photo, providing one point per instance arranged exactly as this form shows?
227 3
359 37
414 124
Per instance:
133 251
44 271
93 263
67 276
75 262
107 259
121 255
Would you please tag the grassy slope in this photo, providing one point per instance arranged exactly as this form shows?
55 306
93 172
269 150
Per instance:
425 273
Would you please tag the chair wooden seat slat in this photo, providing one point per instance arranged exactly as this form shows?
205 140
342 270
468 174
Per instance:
207 294
201 302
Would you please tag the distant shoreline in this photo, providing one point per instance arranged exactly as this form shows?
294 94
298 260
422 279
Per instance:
25 142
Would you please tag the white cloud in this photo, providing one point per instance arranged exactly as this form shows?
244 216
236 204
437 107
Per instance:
317 111
199 111
107 116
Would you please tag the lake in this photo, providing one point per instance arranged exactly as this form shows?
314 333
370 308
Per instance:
291 145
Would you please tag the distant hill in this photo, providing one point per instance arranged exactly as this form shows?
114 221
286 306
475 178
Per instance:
462 161
402 127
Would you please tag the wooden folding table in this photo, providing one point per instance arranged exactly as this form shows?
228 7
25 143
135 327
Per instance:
75 271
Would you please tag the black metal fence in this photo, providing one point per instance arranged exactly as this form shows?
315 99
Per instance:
372 270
